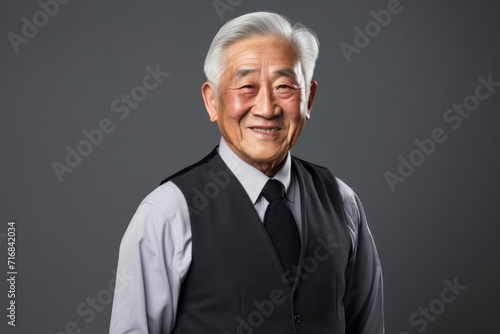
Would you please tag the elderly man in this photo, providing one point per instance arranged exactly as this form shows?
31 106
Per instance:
251 239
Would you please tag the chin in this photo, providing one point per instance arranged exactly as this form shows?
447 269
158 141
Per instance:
266 158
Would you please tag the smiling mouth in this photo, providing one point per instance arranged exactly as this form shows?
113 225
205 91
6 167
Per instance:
262 130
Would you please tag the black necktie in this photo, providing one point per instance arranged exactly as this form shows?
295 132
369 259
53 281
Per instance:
280 225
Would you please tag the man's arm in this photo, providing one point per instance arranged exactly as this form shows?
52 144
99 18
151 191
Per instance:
363 301
155 254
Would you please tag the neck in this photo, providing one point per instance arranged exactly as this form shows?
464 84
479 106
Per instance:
269 169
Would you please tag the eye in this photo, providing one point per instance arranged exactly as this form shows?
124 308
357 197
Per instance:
248 90
283 86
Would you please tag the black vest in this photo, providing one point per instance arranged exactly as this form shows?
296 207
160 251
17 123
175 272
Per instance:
235 283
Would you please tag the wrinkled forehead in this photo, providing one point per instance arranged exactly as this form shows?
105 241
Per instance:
258 54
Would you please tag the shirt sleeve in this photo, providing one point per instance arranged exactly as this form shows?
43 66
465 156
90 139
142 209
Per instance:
363 301
155 254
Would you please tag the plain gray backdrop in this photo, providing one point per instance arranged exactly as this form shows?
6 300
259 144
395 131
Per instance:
440 224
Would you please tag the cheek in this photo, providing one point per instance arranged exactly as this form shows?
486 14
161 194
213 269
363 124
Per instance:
234 106
295 114
296 118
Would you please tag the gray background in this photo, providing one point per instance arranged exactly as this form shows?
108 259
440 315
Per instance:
441 223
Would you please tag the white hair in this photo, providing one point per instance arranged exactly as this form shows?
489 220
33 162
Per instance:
303 41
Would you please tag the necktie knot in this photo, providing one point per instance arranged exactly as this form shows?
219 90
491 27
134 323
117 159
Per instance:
273 189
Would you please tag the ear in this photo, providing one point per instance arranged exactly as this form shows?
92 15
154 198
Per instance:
210 99
312 93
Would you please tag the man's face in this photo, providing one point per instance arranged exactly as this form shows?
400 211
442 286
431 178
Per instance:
261 110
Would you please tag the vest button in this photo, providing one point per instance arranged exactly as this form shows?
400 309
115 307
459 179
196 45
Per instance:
297 318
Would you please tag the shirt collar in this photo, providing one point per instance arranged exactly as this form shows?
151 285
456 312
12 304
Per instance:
252 179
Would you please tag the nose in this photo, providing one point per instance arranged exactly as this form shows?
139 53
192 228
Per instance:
265 103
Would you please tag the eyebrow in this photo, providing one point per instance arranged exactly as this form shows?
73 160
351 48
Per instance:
286 72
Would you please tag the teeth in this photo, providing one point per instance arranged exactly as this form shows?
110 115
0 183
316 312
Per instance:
265 130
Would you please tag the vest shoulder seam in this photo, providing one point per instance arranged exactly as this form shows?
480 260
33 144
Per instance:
203 161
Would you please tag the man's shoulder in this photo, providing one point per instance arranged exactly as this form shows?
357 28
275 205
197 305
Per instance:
347 194
165 199
168 199
308 164
192 167
303 166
